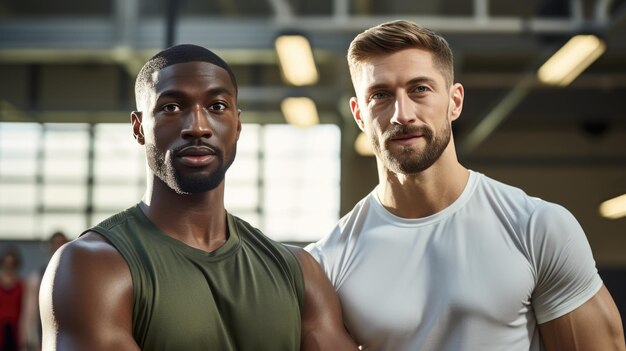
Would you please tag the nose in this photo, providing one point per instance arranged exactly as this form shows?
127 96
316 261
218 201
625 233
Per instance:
197 124
404 110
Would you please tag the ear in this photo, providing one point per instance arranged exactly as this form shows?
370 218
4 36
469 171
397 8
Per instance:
238 123
356 113
456 101
135 120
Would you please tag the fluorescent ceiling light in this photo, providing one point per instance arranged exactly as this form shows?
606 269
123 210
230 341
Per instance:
571 60
614 208
363 146
296 59
300 111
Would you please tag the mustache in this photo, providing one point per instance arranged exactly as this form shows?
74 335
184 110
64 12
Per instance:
396 131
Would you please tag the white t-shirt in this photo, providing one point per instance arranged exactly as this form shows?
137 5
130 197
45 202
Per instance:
479 275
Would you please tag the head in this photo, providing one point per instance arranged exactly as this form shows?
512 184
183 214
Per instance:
10 259
187 117
57 239
405 96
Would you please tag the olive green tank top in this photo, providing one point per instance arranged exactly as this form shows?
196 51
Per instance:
247 295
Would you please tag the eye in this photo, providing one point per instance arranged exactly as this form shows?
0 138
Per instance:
421 89
379 95
169 108
218 106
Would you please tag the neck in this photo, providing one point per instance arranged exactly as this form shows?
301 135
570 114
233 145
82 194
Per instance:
424 193
198 220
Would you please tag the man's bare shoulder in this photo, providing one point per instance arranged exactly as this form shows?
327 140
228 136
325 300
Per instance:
90 262
86 296
90 248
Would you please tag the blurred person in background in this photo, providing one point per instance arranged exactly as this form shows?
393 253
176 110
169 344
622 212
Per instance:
439 257
11 300
31 320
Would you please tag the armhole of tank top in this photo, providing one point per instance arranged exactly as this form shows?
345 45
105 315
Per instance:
297 277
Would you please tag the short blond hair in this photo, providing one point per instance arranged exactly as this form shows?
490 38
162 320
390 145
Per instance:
394 36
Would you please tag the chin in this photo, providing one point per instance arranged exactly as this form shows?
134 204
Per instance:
194 185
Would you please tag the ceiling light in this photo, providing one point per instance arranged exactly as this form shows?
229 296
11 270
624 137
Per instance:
300 111
363 146
296 60
614 208
571 60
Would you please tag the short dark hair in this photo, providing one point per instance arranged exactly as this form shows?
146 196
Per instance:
177 54
394 36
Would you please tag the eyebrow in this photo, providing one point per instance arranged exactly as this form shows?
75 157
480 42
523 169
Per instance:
416 80
178 94
422 79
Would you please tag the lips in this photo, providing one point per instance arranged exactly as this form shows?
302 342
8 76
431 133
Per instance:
196 156
405 138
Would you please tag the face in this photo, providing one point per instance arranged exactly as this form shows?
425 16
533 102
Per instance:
190 126
406 108
9 262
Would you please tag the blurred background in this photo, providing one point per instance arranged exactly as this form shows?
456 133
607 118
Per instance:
67 68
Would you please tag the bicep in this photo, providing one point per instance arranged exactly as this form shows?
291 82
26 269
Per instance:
566 271
86 299
596 325
322 321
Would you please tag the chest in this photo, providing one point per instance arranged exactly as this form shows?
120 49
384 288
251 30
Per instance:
228 305
409 281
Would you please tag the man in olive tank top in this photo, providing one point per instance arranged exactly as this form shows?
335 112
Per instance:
177 271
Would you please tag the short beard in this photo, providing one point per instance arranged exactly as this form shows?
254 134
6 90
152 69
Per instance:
407 160
162 165
192 184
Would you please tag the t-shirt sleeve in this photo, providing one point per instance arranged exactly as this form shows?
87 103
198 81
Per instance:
316 252
566 271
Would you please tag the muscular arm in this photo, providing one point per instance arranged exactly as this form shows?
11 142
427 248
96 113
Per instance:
86 298
596 325
322 321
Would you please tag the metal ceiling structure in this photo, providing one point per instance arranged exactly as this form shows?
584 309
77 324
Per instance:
497 44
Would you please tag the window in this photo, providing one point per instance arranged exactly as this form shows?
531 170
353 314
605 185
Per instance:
284 180
302 173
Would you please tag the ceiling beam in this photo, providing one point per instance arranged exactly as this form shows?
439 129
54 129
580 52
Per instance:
281 8
95 33
516 95
497 115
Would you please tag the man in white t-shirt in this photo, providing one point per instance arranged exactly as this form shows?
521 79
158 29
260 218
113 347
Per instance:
438 257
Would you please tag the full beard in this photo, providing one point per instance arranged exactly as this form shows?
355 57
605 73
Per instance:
162 165
406 160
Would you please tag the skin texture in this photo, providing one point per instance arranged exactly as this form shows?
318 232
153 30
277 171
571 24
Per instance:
407 114
87 290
